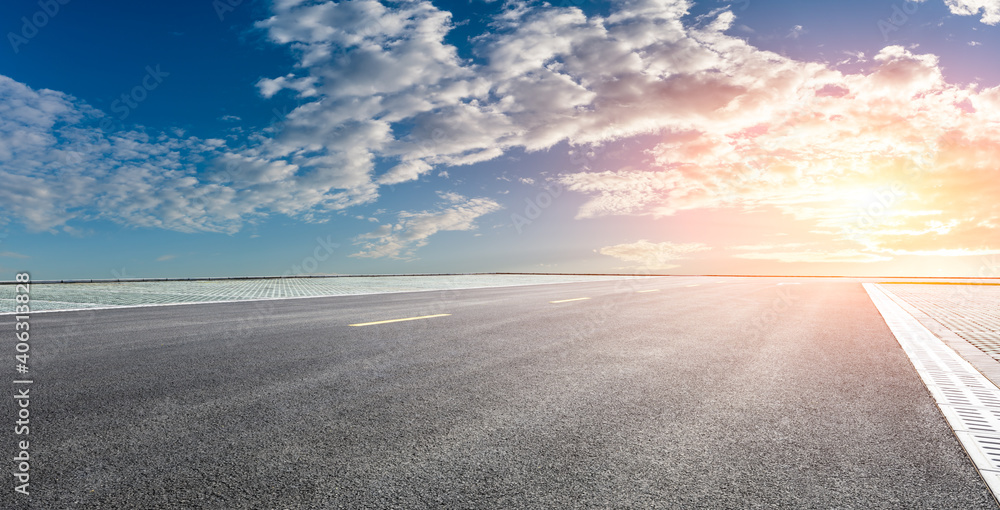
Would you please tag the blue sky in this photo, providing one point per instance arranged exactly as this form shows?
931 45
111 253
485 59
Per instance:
261 138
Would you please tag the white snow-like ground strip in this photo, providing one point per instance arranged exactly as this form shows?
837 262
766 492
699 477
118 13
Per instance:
968 400
51 297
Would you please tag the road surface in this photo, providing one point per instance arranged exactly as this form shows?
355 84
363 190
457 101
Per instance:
693 393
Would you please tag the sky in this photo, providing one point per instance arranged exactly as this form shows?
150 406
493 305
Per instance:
252 138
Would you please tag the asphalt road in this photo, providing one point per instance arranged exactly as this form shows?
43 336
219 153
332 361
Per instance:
740 394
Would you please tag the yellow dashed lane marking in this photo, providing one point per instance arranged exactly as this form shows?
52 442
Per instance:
650 290
694 285
568 300
400 320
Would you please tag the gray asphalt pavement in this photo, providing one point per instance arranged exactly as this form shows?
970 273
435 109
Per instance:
706 393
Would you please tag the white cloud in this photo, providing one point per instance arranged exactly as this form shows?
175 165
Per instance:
841 256
164 258
623 192
13 255
406 171
801 252
989 8
451 196
767 247
58 166
548 74
653 255
386 100
878 157
744 126
381 87
411 230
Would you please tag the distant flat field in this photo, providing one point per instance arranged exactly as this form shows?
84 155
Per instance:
81 296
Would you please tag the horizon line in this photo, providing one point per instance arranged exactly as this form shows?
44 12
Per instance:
384 275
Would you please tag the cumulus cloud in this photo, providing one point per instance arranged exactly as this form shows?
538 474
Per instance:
401 239
880 158
380 88
650 255
989 8
742 126
542 75
385 99
57 165
802 252
819 255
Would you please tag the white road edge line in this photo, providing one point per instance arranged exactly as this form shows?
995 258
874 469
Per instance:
968 400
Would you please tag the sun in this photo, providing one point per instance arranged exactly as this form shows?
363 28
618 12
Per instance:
873 199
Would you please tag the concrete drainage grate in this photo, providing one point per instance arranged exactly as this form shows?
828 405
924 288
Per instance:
975 420
967 399
970 312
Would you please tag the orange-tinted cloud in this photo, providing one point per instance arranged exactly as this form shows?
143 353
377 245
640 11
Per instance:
894 160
